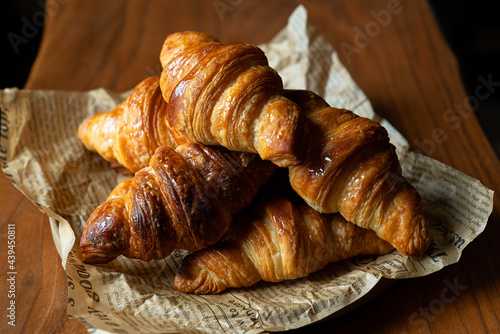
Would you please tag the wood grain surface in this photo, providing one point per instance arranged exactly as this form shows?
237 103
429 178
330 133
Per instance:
404 67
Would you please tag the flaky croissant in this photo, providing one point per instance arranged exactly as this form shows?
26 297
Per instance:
351 168
227 95
279 241
185 199
129 134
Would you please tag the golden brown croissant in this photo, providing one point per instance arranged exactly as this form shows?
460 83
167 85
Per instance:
227 95
351 168
184 199
129 134
280 241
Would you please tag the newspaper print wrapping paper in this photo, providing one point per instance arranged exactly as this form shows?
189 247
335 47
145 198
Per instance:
44 159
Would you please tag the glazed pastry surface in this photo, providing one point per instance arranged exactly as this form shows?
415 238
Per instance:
228 95
130 134
277 241
351 168
185 199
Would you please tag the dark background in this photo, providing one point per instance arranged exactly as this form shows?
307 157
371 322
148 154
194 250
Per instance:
471 28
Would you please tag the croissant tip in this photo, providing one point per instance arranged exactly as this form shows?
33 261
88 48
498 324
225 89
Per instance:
181 40
83 128
96 256
420 238
285 162
190 278
286 153
104 235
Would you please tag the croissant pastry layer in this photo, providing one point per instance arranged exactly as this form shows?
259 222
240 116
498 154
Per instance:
351 168
130 134
228 95
279 241
185 199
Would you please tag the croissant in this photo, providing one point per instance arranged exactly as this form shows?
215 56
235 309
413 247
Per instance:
228 95
279 241
350 167
129 134
184 199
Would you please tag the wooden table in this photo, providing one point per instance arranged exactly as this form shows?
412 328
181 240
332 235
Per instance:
405 68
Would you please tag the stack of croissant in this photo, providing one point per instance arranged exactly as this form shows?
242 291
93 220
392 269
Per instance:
206 140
